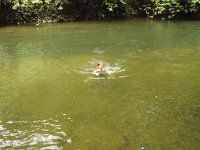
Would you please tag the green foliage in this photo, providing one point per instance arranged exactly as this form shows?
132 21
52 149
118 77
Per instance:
23 11
192 6
163 8
83 9
115 8
37 10
170 8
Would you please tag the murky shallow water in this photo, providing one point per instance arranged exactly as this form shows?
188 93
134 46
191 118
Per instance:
50 100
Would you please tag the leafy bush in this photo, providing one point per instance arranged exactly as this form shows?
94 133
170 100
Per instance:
163 8
170 8
37 10
23 11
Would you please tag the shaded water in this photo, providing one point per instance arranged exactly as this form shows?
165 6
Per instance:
50 100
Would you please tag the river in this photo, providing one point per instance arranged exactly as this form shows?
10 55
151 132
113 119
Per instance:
49 98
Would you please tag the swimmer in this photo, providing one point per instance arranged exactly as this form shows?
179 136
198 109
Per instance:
101 70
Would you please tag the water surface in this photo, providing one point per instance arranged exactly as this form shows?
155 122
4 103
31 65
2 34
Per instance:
50 100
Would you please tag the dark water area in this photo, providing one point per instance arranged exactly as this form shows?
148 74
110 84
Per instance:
49 98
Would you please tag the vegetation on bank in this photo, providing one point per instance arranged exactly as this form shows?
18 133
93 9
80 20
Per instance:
24 11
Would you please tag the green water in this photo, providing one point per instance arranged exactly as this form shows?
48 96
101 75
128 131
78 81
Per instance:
50 100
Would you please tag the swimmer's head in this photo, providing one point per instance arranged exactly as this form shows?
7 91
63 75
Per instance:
100 66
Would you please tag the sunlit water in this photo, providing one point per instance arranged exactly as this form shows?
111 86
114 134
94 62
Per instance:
49 98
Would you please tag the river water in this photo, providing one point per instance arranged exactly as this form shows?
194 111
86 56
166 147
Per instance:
49 99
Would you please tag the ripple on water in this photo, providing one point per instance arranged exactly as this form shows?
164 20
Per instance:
98 51
1 127
51 148
46 133
10 143
36 138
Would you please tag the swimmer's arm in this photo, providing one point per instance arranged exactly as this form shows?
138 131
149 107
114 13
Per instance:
96 72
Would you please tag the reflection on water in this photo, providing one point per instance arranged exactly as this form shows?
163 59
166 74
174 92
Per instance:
49 98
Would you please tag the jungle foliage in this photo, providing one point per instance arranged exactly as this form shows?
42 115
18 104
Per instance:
24 11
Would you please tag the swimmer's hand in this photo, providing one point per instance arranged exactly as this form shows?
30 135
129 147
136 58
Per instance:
96 74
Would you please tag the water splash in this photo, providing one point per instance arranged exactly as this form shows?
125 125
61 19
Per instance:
91 66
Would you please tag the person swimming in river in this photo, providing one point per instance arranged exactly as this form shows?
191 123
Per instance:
101 70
